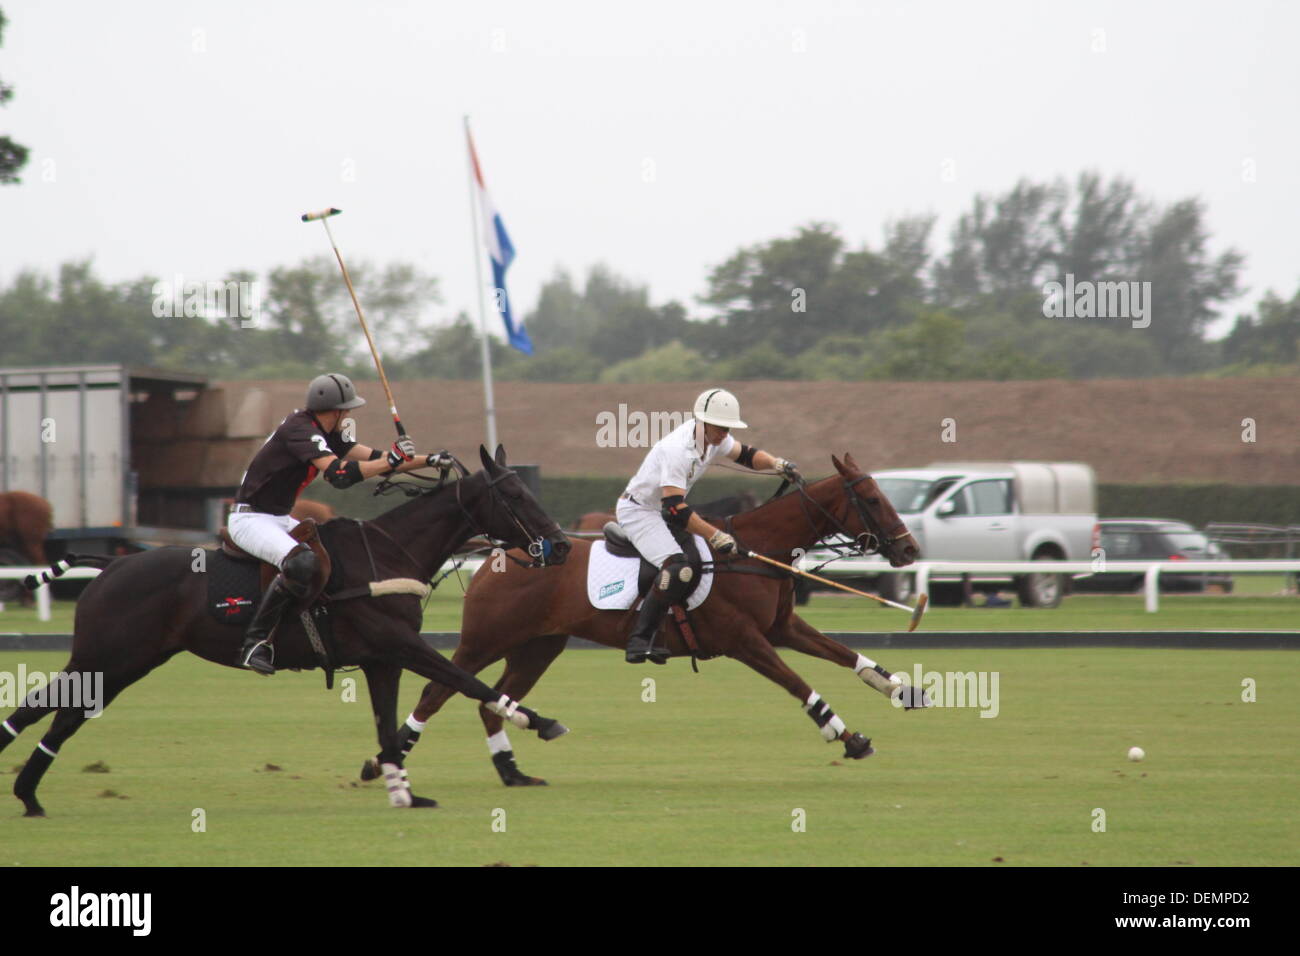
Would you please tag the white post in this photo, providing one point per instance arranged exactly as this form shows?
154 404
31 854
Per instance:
923 578
43 603
1152 587
488 397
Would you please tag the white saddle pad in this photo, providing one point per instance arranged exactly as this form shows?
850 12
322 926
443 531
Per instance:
611 580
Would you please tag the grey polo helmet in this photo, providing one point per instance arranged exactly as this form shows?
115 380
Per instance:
327 392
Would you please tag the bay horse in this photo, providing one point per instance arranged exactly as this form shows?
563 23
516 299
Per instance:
145 608
527 618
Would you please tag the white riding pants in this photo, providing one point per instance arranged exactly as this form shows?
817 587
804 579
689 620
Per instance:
263 535
648 531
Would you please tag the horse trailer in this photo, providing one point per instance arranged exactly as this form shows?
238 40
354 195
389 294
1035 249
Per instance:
91 440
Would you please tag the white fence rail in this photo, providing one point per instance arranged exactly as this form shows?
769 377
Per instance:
1150 570
923 570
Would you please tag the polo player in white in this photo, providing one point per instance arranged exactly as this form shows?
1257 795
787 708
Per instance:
656 498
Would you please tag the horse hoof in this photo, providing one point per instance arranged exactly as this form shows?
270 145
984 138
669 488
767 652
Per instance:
523 780
857 747
36 811
370 769
423 802
550 729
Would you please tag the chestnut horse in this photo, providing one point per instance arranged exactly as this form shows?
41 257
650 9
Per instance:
527 618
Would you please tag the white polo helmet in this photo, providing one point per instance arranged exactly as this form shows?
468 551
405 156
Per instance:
717 406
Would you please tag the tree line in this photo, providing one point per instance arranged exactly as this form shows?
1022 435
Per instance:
804 306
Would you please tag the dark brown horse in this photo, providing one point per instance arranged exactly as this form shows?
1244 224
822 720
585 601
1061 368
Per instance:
527 617
145 608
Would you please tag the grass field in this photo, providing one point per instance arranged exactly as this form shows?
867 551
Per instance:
713 771
1259 604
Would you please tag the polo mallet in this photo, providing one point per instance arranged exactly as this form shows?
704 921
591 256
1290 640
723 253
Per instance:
916 612
324 216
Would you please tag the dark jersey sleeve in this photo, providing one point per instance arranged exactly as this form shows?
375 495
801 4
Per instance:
307 443
338 444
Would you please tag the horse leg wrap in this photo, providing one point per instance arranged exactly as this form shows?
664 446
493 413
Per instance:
499 743
12 732
831 726
876 677
509 709
408 735
399 791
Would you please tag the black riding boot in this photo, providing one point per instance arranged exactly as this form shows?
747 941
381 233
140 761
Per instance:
640 644
256 653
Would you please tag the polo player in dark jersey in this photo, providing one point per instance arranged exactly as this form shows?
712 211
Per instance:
307 443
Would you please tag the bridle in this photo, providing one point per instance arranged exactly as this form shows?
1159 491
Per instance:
871 541
539 547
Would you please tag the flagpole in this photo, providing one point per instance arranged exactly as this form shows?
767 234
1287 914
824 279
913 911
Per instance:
488 396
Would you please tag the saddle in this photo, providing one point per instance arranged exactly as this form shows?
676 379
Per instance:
307 534
620 545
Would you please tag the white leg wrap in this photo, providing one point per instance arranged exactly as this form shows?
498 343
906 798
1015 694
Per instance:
46 750
416 725
834 727
12 732
498 743
507 708
399 793
827 722
876 677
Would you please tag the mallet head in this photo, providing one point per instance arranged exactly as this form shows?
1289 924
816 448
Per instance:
322 214
918 611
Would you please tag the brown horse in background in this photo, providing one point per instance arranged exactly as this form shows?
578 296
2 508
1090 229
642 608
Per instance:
317 511
25 522
527 618
711 511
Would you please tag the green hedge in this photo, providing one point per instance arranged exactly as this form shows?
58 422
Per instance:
1201 504
570 497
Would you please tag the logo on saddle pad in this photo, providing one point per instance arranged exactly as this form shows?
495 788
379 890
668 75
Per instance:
612 588
231 606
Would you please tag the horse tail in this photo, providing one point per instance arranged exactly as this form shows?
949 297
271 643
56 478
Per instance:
57 569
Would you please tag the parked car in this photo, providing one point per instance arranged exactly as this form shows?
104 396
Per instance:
1140 539
993 511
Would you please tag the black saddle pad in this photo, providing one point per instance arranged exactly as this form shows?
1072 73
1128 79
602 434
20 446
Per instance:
234 589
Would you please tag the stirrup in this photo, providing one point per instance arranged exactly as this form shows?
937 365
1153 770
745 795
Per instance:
250 659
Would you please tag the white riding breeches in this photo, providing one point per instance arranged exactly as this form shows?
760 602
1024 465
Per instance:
263 535
648 531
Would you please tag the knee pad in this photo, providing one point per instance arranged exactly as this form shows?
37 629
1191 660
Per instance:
298 569
674 578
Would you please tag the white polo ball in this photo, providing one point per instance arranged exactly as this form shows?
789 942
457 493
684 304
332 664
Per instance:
1136 753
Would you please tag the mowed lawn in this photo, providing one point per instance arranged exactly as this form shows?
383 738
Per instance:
717 770
1258 604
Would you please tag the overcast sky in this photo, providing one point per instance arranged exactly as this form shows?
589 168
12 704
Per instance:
187 137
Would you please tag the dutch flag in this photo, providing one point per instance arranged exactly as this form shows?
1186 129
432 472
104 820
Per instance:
502 253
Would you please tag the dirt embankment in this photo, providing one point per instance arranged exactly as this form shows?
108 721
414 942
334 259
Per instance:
1153 430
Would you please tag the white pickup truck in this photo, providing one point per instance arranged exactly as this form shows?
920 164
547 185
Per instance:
994 511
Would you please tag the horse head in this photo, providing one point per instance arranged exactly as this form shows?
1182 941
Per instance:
510 513
872 517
